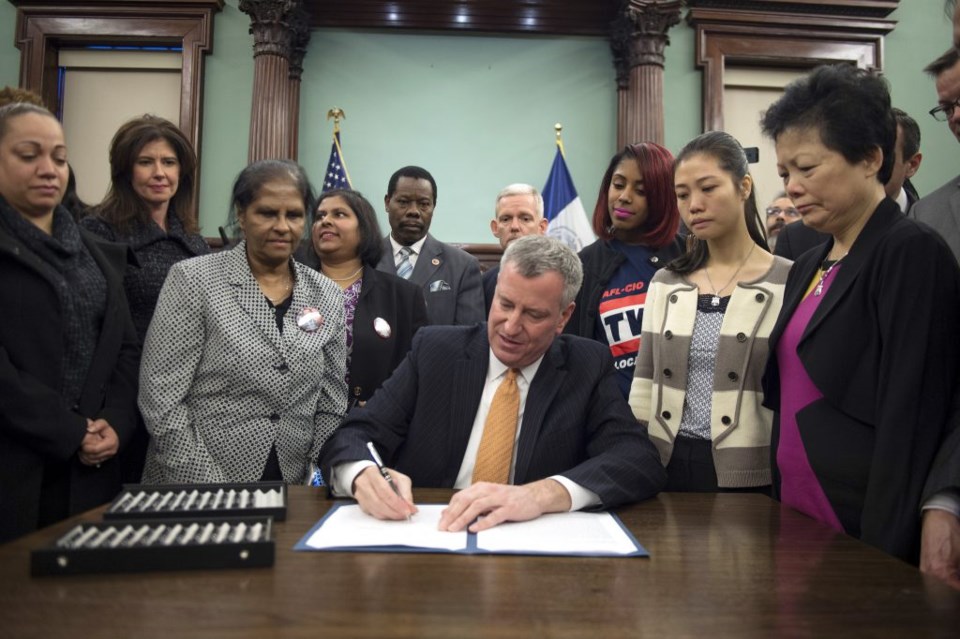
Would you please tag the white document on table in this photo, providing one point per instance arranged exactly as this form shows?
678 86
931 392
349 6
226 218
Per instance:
562 534
346 527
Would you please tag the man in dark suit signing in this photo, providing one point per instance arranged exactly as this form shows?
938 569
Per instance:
525 420
449 276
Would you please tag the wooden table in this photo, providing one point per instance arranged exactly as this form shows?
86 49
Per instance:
728 565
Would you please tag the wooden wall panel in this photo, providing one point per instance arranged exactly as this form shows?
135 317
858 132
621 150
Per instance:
781 34
572 17
43 27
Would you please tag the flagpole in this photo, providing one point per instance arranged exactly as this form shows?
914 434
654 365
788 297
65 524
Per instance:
336 175
558 128
337 113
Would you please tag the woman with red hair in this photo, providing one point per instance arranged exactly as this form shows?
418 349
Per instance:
636 220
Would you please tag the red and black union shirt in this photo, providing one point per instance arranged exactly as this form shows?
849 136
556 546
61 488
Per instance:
621 310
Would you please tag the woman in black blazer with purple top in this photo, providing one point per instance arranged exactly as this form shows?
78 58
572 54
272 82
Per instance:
383 310
864 355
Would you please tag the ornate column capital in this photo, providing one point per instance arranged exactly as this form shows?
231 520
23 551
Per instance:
299 40
271 25
281 32
638 35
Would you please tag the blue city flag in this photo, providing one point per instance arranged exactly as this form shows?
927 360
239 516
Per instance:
567 221
336 176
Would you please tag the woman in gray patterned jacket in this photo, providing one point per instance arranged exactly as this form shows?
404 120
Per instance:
707 318
242 377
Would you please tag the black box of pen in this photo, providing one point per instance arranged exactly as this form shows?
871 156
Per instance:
150 501
140 545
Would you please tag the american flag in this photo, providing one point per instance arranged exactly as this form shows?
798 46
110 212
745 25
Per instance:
336 176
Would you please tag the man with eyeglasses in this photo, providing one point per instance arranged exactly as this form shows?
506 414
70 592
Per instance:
780 213
940 541
941 208
449 276
946 74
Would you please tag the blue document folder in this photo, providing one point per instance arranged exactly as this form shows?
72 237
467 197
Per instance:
346 529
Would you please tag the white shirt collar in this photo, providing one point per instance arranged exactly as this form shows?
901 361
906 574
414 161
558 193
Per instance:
902 199
417 246
496 368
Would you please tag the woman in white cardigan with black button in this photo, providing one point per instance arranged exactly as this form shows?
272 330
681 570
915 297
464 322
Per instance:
707 318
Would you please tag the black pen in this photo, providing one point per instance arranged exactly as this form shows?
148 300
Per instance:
383 471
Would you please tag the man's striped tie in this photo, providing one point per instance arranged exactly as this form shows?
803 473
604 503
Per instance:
405 268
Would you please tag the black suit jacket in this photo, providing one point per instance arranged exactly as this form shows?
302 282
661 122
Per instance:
796 239
912 195
883 351
490 286
386 297
39 431
575 421
375 355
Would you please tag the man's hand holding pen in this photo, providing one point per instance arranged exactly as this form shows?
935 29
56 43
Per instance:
378 499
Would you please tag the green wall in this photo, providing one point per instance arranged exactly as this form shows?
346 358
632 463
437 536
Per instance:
9 54
682 90
227 98
478 111
923 33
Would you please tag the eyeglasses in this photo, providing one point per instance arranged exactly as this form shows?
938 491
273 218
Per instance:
943 112
776 210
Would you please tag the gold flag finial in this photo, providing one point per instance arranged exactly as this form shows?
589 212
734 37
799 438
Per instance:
337 114
558 128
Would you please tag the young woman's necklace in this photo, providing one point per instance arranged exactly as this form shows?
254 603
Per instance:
715 300
824 272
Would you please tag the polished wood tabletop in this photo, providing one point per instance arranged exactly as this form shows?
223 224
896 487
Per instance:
721 565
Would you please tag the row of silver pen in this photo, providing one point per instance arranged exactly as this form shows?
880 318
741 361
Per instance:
156 501
157 535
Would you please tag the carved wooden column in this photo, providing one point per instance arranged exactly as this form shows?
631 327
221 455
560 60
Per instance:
621 31
300 26
638 38
273 117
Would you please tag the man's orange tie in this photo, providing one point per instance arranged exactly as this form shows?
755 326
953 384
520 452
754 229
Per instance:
499 432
